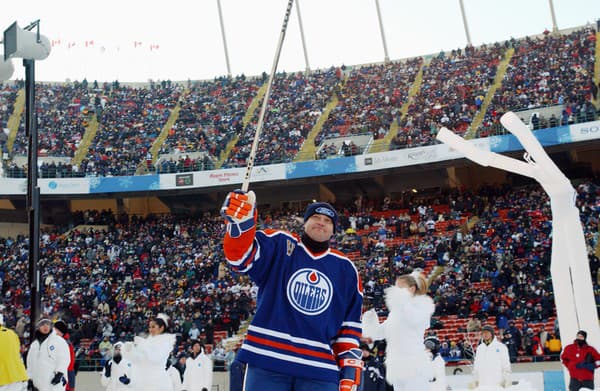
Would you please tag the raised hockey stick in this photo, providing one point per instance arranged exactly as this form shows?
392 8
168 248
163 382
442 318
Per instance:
263 109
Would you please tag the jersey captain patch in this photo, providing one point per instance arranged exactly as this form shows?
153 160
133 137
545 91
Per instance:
309 291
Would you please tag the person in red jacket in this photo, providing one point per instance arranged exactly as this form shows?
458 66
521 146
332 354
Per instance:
581 360
61 328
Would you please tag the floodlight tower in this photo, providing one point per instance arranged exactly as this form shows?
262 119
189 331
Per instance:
30 46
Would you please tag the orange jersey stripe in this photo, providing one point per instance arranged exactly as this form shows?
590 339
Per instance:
289 348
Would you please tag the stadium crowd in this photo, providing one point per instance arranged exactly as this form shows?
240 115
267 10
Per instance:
107 281
544 71
370 99
295 104
454 86
211 115
547 70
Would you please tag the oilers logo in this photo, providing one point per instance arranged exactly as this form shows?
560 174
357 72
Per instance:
309 291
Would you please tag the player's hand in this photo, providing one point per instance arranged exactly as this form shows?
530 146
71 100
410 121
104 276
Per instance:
124 379
239 209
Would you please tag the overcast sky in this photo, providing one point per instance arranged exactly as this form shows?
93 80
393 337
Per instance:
135 40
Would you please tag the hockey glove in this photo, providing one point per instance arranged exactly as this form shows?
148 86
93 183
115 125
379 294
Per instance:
351 366
58 377
107 369
239 209
124 379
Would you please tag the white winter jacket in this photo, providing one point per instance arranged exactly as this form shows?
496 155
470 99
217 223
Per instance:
403 331
46 359
112 383
149 358
492 365
198 373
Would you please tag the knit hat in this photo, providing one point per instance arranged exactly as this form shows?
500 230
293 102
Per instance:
43 321
322 208
61 326
489 328
582 333
432 343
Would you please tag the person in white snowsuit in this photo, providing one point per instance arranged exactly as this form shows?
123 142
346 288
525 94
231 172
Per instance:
198 370
117 374
437 380
410 309
491 369
149 356
48 359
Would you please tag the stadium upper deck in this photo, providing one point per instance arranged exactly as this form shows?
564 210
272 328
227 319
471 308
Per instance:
91 130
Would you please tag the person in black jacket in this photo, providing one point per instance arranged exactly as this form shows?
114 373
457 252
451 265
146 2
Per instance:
373 376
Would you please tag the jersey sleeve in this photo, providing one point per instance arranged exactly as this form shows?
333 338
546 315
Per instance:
253 252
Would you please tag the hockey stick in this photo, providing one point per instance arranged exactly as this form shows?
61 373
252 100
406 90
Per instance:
263 109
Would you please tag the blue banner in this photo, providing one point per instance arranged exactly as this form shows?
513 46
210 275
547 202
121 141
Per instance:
343 165
124 184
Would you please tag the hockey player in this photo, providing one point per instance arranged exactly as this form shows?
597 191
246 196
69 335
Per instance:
407 362
48 359
305 333
13 376
198 370
117 374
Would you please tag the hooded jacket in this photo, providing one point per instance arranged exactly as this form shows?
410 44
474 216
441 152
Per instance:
45 359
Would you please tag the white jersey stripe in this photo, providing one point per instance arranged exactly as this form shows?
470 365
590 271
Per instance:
293 359
347 340
355 325
290 338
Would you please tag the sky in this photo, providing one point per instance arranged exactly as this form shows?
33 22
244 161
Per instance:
138 41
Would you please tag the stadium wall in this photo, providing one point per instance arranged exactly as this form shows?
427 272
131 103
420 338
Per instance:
369 163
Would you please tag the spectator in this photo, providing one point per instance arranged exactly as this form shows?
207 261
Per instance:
117 373
62 330
373 376
48 372
14 376
581 361
492 365
198 370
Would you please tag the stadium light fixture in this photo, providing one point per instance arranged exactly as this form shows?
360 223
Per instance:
25 44
30 46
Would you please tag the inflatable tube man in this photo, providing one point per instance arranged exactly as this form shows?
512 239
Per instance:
569 268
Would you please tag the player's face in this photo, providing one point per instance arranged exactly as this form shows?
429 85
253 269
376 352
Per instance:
319 227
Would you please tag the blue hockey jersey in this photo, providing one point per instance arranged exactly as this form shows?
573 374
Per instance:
308 305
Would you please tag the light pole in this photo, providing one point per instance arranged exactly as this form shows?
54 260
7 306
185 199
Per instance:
30 46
